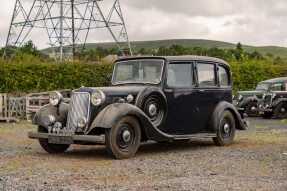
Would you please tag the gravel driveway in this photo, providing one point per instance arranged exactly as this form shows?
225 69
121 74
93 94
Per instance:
256 161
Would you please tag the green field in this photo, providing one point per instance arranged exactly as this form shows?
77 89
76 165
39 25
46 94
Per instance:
275 50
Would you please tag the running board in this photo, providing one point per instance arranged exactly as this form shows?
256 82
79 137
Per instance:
194 136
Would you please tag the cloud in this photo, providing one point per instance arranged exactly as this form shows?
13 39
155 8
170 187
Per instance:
255 22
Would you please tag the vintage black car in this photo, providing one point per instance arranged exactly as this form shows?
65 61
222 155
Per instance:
163 99
274 104
248 101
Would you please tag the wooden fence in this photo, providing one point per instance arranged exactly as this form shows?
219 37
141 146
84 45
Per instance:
14 108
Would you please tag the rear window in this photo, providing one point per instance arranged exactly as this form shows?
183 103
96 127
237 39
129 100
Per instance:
223 76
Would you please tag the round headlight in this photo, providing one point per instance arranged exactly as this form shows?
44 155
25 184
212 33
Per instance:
55 98
98 98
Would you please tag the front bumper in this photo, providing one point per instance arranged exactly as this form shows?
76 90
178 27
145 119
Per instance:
60 139
265 108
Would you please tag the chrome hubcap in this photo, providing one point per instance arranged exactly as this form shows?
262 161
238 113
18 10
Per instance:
126 136
226 128
283 110
253 108
152 110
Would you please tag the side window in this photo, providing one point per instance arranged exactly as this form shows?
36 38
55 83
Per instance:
179 75
223 76
276 87
206 75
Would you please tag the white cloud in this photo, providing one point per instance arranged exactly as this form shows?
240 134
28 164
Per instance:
256 22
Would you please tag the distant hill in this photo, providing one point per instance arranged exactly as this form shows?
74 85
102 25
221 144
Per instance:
275 50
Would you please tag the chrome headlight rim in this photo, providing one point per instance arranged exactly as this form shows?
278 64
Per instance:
98 98
240 97
55 98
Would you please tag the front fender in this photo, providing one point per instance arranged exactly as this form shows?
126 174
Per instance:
60 113
246 101
241 124
109 117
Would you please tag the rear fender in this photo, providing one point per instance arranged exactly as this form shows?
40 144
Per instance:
278 101
241 124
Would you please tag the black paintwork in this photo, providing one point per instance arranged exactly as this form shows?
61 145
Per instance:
257 95
190 110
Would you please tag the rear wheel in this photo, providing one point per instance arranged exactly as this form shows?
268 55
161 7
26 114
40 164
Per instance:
225 129
280 111
51 148
123 139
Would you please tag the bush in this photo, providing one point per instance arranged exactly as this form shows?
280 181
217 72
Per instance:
32 75
247 75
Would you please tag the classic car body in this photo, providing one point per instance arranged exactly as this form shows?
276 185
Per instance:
151 98
248 101
274 104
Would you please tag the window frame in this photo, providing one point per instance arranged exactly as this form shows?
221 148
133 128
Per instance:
131 60
193 77
216 83
228 75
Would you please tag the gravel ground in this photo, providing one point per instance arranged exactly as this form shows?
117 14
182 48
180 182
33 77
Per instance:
256 161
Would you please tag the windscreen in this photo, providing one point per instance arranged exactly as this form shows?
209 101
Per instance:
138 71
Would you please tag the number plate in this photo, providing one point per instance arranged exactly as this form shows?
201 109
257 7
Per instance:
61 140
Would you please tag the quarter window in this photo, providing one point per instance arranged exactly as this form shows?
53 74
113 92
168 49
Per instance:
223 76
206 75
179 75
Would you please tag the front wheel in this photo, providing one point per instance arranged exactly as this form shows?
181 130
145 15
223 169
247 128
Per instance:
51 148
280 112
123 139
225 129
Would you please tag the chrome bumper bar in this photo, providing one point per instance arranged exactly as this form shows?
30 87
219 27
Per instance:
82 138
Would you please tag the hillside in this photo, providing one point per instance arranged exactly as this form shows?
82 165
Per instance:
275 50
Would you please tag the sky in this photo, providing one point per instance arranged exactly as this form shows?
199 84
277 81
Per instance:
252 22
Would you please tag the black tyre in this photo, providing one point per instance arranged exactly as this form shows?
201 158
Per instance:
280 111
51 148
225 129
251 109
123 139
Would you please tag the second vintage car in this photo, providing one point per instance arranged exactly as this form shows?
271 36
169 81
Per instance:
163 99
249 100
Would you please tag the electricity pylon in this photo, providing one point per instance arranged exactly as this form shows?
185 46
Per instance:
68 24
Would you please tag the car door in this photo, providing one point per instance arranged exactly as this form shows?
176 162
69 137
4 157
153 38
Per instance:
182 103
207 92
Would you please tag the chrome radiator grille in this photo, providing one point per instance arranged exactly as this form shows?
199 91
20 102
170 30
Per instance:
79 108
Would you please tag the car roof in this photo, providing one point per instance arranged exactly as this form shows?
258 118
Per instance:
276 80
177 58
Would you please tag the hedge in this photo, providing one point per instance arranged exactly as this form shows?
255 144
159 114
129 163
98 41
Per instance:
16 77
